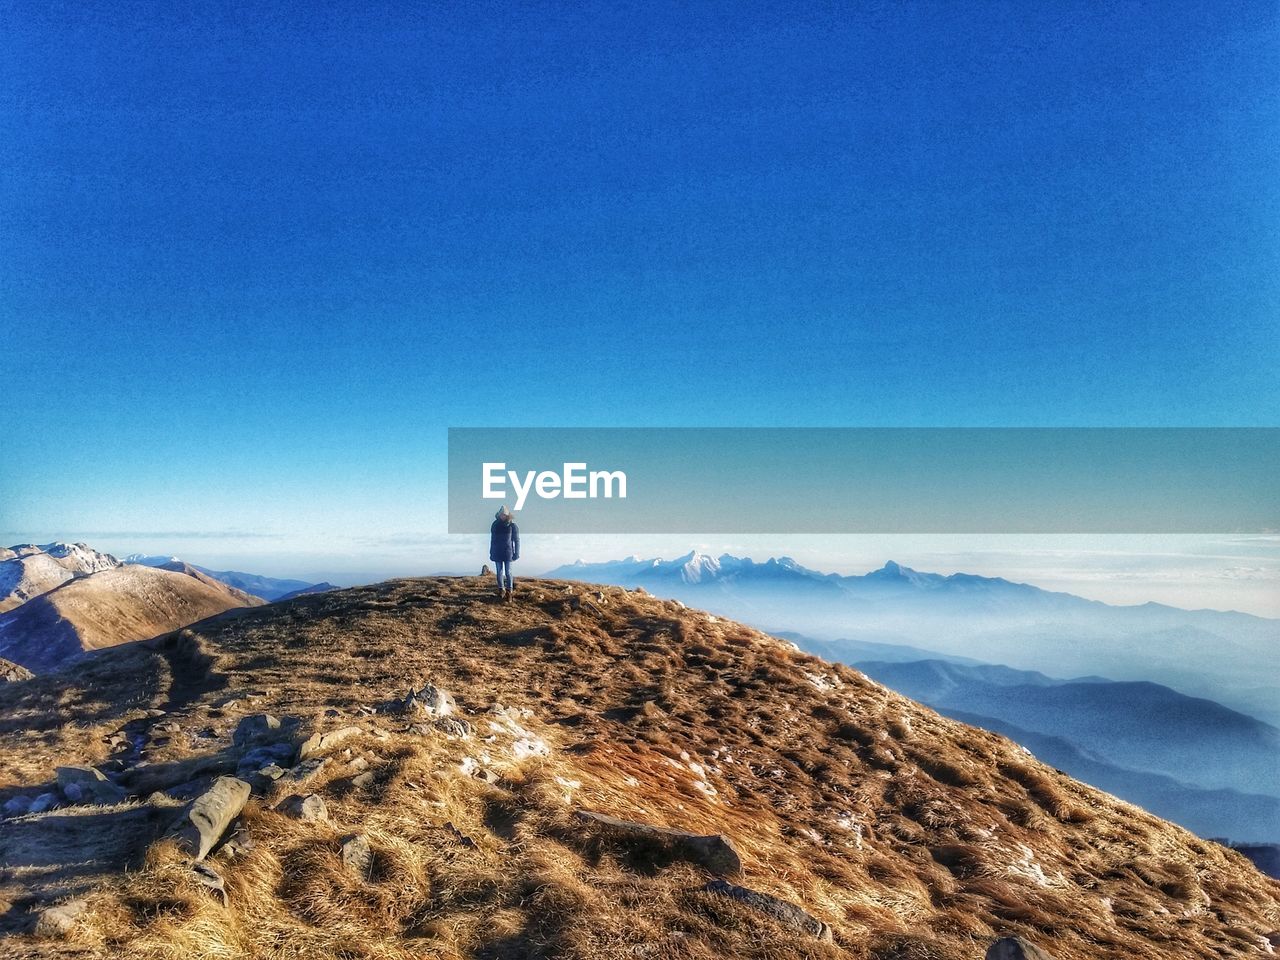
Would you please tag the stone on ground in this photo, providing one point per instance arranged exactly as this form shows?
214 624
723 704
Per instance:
786 913
207 817
712 851
1015 948
357 855
319 743
310 808
58 921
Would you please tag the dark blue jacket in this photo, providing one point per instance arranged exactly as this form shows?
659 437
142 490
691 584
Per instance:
504 541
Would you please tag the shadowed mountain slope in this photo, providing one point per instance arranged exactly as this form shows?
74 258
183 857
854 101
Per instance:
113 606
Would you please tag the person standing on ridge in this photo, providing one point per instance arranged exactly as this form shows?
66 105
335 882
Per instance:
504 549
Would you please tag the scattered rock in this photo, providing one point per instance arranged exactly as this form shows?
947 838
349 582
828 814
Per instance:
319 743
57 922
302 774
357 856
43 803
430 700
264 778
359 763
1015 948
88 785
17 806
310 808
713 851
209 878
207 817
363 780
239 843
788 914
485 571
453 727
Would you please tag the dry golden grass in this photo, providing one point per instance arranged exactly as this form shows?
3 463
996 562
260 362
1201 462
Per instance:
911 835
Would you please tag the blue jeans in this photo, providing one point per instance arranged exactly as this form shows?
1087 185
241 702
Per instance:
505 565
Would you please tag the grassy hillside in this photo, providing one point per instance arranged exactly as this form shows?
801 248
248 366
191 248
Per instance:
908 835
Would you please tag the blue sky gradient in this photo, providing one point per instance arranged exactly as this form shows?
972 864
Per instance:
256 260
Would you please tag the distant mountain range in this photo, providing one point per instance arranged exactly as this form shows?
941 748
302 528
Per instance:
941 640
1187 759
1140 725
1233 658
28 570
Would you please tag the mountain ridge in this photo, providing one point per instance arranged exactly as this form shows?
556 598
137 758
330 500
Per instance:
505 766
118 605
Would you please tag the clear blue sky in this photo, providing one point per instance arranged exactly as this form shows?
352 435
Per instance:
254 261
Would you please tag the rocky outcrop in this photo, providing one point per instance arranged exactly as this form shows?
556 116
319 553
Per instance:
11 672
712 851
207 817
429 701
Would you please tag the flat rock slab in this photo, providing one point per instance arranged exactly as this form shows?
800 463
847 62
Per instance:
319 743
204 820
786 913
1015 948
712 851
